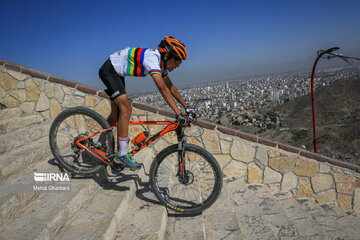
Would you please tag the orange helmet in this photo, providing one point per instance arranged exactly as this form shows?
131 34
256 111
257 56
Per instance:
174 47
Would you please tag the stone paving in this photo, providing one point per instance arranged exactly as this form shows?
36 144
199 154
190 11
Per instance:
144 217
242 212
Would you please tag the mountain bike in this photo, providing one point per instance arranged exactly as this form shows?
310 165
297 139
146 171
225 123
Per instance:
184 177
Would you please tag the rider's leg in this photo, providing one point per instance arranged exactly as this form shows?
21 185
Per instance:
115 87
111 120
124 117
116 91
113 115
124 105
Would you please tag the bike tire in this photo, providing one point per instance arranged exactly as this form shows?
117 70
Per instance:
160 192
57 128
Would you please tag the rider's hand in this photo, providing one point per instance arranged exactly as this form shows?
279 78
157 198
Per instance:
183 120
190 112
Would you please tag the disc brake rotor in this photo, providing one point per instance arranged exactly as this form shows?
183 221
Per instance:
187 179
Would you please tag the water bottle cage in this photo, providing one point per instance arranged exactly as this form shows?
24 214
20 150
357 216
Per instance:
140 139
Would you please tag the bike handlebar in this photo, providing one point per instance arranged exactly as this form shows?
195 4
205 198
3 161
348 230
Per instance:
188 120
192 117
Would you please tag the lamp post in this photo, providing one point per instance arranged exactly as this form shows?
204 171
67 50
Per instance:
320 54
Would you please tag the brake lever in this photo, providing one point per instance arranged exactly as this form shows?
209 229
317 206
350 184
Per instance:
192 118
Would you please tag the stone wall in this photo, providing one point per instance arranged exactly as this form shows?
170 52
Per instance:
241 156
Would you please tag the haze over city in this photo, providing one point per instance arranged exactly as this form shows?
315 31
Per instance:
225 40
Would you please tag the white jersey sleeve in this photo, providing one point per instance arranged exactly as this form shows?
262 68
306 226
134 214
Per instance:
151 62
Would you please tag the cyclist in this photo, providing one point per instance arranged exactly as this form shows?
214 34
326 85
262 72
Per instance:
140 62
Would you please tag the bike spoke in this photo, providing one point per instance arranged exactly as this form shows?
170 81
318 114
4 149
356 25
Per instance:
72 128
201 179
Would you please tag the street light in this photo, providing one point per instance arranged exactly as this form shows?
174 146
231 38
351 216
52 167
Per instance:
320 54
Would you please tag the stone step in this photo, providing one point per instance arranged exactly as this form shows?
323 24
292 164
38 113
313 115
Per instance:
217 222
282 224
220 220
97 220
46 213
9 113
110 207
23 137
262 214
258 215
145 217
15 161
15 123
17 187
300 217
188 227
16 193
331 220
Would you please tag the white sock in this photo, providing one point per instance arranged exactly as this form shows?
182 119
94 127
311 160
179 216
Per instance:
123 145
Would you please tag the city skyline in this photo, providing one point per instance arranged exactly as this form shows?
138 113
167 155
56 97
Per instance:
233 98
226 40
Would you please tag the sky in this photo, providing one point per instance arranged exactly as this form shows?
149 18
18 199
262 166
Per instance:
224 39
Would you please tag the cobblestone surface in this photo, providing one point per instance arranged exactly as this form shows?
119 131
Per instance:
243 212
143 217
264 215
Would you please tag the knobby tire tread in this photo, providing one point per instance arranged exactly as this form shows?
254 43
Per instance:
218 173
52 135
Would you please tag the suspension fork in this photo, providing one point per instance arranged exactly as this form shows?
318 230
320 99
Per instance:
181 151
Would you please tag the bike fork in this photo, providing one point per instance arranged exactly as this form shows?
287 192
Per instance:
181 158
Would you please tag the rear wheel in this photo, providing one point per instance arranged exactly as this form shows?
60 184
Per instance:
193 192
74 124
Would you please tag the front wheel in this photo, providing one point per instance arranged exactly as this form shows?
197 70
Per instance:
199 186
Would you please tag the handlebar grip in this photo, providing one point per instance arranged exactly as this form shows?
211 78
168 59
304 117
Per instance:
192 117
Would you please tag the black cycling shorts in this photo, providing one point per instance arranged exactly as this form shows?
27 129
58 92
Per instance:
114 82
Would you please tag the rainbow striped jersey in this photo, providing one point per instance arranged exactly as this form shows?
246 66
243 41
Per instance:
137 62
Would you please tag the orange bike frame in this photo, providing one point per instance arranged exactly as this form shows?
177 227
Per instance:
171 125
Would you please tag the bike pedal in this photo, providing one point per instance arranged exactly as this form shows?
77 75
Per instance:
133 169
117 167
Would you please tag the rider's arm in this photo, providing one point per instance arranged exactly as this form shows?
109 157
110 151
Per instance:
165 92
174 91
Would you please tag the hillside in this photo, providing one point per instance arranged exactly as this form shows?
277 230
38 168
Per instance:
337 121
